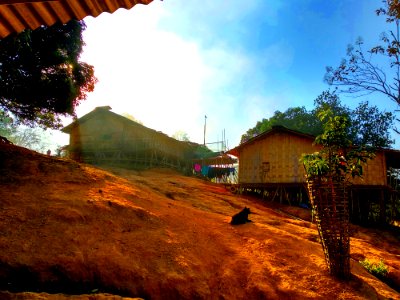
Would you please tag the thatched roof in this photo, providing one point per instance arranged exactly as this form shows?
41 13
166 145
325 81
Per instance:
101 111
273 130
392 155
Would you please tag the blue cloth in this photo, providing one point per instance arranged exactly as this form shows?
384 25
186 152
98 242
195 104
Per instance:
204 170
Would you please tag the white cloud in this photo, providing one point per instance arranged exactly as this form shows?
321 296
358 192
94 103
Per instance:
164 81
152 74
170 63
169 82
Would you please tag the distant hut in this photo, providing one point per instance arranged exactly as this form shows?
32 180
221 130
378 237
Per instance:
269 165
104 137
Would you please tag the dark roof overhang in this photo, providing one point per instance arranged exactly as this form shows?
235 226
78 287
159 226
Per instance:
392 158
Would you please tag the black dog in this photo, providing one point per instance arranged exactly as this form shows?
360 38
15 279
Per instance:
241 217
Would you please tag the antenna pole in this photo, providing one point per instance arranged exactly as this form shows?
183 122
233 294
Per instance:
205 125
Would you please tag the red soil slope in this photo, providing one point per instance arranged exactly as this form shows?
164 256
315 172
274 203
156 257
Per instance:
70 228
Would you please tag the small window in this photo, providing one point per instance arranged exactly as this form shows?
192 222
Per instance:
266 166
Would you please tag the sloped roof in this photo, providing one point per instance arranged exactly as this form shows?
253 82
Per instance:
102 110
17 15
274 129
392 155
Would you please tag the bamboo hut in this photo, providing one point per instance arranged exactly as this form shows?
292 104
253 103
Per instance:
104 137
269 165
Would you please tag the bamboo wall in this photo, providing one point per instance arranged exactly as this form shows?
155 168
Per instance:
106 136
374 171
275 159
97 134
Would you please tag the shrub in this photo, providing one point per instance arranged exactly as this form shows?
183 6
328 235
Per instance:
338 158
379 270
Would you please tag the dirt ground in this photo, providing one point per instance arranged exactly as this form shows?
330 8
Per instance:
72 231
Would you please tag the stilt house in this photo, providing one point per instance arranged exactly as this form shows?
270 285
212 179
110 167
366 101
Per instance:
102 136
269 165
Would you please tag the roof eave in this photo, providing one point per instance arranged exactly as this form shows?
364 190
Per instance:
18 15
268 132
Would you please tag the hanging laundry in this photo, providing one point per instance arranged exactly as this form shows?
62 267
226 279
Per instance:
197 168
204 170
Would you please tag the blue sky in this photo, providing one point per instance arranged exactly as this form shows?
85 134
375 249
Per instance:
172 62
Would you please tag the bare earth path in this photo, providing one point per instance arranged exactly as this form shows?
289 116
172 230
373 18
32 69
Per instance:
72 229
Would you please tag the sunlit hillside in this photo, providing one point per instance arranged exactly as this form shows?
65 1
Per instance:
73 229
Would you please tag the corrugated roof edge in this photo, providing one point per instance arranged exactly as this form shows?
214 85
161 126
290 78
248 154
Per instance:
15 16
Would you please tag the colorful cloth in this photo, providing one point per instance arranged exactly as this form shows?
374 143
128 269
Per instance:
197 168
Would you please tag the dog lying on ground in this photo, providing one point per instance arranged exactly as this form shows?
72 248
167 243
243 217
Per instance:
241 217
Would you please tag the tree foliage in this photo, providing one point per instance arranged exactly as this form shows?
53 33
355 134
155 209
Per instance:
33 138
330 101
299 118
296 118
181 136
41 77
361 74
131 117
339 158
368 126
36 139
7 126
